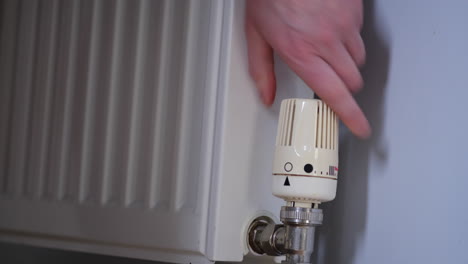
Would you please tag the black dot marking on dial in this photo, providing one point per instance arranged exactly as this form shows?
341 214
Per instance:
308 168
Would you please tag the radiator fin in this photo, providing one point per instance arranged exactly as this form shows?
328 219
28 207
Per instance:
102 103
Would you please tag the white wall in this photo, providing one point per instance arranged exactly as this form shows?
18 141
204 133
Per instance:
401 195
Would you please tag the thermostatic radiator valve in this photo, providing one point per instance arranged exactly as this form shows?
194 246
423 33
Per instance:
305 172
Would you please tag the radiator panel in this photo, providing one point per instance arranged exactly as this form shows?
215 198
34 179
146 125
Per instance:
107 113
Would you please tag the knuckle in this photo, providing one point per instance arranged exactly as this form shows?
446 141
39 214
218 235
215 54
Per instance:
299 51
335 97
346 22
328 36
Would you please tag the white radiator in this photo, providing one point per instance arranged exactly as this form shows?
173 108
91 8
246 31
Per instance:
131 128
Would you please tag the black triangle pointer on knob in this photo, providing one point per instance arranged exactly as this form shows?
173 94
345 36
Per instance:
286 182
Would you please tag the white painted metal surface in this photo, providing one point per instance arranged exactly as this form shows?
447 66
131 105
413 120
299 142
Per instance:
108 126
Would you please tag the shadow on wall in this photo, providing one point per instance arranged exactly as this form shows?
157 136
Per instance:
345 218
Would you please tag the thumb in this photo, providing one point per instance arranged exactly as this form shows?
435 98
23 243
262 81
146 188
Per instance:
261 63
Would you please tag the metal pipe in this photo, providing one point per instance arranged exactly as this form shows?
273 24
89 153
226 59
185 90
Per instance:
294 238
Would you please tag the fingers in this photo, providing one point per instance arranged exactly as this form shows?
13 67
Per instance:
318 75
355 46
344 65
261 64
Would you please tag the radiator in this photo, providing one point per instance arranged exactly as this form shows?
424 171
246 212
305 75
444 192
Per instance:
131 128
107 112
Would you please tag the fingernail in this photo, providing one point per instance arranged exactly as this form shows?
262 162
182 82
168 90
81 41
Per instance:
366 132
263 95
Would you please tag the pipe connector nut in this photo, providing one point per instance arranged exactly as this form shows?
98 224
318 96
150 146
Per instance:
301 216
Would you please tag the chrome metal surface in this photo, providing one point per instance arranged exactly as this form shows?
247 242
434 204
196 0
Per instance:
295 238
266 237
301 215
299 244
300 223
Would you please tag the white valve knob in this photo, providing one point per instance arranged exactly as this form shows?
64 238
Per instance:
305 168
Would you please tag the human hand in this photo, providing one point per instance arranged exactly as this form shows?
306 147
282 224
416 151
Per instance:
320 40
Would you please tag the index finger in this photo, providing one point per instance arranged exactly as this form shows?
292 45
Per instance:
324 81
